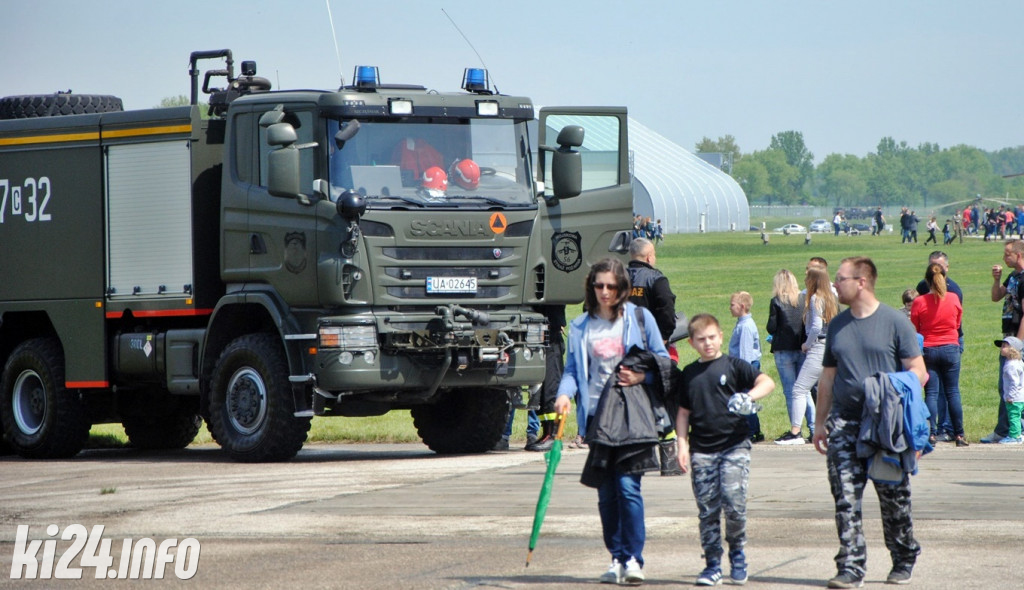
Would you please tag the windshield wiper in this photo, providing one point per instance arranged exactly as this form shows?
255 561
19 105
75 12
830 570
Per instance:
412 201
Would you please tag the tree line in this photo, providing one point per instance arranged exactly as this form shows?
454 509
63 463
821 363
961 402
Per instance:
928 176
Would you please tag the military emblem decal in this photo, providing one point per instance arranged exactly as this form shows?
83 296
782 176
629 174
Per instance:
566 253
295 252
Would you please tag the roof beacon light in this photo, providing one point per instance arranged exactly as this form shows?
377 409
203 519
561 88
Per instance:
476 80
366 76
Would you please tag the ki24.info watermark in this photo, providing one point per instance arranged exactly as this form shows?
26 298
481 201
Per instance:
140 559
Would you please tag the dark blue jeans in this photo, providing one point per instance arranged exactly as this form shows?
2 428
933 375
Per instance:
622 516
943 364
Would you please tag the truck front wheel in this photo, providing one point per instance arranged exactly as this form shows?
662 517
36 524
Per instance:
251 405
463 421
41 419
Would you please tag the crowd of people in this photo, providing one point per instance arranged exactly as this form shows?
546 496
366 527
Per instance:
643 227
851 367
990 223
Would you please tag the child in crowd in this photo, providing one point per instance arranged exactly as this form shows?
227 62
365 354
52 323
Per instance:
1013 386
714 442
745 344
908 298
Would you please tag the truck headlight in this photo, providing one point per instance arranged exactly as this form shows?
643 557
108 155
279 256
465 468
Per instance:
348 337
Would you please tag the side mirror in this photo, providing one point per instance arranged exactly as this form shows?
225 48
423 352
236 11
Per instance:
346 132
281 134
570 136
566 164
283 172
272 117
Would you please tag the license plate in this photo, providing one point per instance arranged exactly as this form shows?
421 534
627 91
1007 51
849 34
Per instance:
451 284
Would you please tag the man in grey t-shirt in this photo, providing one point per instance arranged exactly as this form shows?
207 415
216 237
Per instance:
867 338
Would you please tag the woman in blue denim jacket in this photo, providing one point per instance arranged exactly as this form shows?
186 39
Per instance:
597 341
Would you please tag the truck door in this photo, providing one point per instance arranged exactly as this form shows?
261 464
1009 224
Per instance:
282 231
584 229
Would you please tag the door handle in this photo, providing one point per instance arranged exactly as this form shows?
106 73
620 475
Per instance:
257 245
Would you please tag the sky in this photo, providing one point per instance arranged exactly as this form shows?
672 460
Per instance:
844 74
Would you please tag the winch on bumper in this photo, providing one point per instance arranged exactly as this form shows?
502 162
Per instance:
413 353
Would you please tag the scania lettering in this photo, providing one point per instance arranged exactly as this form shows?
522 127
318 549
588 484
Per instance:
278 255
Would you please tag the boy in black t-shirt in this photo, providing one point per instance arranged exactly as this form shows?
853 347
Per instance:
713 440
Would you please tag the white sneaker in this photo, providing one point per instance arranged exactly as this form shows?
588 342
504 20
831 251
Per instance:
634 573
790 439
613 575
990 438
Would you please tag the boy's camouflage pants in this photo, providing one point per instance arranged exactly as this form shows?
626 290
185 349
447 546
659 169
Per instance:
720 483
847 475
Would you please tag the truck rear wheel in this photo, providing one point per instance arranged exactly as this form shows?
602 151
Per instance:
41 419
56 105
251 405
463 421
174 429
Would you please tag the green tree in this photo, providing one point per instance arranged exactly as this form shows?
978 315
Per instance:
948 191
723 145
791 144
883 172
842 180
752 177
782 178
172 101
182 101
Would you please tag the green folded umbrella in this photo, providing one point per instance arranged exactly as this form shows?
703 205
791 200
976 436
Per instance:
552 458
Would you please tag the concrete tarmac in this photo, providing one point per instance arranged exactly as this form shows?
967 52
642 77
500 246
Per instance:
398 516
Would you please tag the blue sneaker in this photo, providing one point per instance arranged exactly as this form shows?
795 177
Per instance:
738 569
711 576
1011 441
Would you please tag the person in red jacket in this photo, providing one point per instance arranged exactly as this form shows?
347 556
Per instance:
416 156
937 315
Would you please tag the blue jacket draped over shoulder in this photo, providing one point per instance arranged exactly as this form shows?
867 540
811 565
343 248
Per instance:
894 426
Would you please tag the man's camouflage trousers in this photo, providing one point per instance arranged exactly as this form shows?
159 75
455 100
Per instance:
847 475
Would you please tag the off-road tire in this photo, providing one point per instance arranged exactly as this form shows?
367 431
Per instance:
41 418
463 421
252 412
57 105
174 430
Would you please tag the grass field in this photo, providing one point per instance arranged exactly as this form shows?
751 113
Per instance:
704 269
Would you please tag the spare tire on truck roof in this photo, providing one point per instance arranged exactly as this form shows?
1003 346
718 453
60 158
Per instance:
57 105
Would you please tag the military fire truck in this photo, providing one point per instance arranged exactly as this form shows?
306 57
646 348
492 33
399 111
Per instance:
278 255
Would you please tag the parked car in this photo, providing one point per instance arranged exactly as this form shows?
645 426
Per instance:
792 228
821 225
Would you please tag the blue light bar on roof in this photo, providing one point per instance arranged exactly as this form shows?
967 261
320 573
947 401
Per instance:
367 76
475 80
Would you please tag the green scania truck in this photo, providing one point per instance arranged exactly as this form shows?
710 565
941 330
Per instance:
277 255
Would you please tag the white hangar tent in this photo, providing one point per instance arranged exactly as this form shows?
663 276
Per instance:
674 185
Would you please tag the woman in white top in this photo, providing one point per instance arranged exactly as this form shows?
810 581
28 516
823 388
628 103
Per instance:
820 306
598 341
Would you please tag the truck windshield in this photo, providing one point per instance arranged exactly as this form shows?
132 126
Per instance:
459 163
